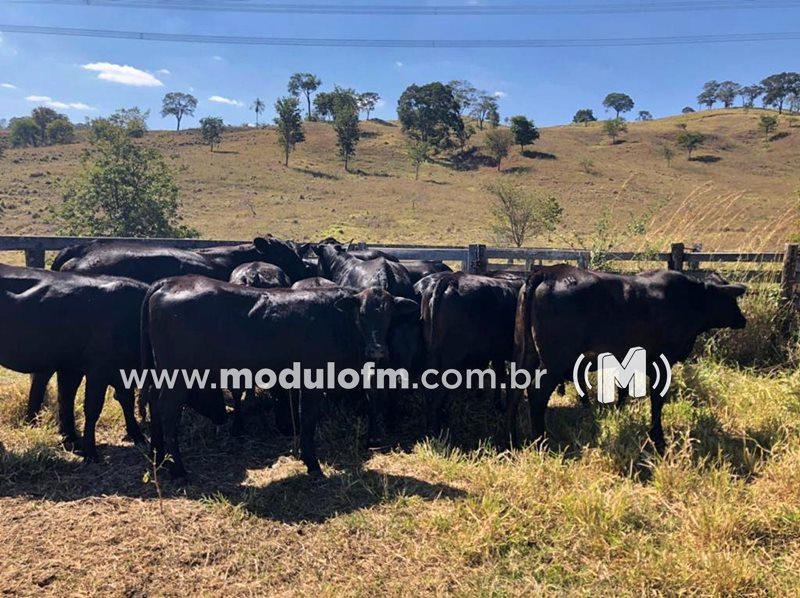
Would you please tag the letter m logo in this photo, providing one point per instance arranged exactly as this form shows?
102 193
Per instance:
630 374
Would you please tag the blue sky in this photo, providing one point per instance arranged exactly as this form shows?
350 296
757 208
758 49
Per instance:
86 77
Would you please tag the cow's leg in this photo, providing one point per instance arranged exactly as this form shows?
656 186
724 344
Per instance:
92 407
376 408
171 409
237 425
501 378
36 394
286 415
435 406
538 400
127 400
68 383
656 431
309 414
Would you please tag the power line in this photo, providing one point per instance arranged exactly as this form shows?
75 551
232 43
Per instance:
431 10
671 40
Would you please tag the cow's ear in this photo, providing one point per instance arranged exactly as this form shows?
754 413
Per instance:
317 249
405 307
347 304
303 249
733 290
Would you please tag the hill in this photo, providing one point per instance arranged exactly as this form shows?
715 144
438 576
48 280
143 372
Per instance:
738 192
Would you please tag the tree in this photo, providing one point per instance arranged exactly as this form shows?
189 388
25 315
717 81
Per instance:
498 142
43 116
290 125
690 141
779 87
727 92
493 118
708 96
614 127
524 131
123 190
178 104
465 94
687 110
367 101
667 153
430 113
619 102
519 215
258 107
325 102
133 120
304 83
211 128
749 94
345 123
60 130
418 152
585 116
768 124
23 132
484 105
645 115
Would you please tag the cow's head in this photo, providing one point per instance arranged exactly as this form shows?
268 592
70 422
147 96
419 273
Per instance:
374 310
327 255
277 252
721 305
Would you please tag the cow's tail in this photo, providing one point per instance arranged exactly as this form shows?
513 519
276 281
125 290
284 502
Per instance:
525 352
68 253
146 360
431 309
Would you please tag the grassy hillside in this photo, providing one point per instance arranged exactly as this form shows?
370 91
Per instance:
739 192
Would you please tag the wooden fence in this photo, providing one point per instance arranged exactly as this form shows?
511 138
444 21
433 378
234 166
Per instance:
476 258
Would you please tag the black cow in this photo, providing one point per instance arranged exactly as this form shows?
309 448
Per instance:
348 271
467 322
195 322
565 312
313 283
260 275
78 326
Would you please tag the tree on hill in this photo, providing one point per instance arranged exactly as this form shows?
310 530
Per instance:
258 107
430 113
24 132
178 104
325 103
493 118
483 107
779 87
290 125
367 101
211 128
345 123
60 130
465 94
43 116
644 115
524 131
687 110
667 153
690 141
304 83
519 215
727 92
708 96
619 102
749 94
767 124
418 153
123 189
132 120
614 128
498 141
585 116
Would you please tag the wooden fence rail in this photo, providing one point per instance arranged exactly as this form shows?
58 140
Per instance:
473 258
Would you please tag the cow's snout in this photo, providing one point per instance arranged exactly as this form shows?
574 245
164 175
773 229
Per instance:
376 352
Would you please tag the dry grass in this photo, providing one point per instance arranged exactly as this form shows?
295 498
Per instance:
244 188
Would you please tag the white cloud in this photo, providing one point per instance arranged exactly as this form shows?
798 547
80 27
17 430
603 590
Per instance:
163 72
398 64
217 58
8 86
123 74
50 102
228 101
500 94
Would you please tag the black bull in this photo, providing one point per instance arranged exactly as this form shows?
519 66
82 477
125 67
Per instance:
198 323
564 312
78 326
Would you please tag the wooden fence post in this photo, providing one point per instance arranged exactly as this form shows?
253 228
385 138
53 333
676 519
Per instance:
34 258
476 259
789 270
676 257
583 260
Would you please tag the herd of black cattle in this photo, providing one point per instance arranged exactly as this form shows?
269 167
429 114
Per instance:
109 306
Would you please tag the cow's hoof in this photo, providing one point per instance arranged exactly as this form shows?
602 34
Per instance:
71 444
137 439
316 473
